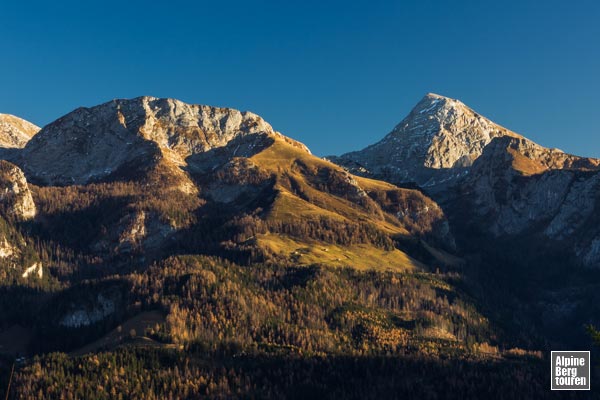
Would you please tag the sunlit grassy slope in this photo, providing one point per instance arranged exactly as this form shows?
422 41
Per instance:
309 188
361 256
281 159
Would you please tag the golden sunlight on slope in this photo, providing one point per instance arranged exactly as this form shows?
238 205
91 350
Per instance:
307 201
361 256
525 165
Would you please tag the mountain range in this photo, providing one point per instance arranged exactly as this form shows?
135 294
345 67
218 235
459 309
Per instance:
492 239
440 140
216 158
507 183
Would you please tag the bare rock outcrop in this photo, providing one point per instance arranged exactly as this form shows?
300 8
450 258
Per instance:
122 136
15 198
517 186
438 143
15 132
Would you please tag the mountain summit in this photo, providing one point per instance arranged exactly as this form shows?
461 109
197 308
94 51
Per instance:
121 136
436 143
440 133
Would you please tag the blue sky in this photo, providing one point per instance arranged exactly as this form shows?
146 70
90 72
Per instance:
335 75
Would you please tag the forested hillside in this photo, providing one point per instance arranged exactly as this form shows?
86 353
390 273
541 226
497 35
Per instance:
155 249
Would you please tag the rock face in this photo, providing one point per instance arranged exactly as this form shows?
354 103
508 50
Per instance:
85 315
35 270
15 132
15 258
517 186
16 204
137 231
7 249
15 198
438 142
94 144
512 185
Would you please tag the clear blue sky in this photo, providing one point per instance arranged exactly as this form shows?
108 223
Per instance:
334 75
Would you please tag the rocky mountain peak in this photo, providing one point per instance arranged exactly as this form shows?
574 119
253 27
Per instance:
15 132
90 144
446 119
436 142
433 103
173 124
